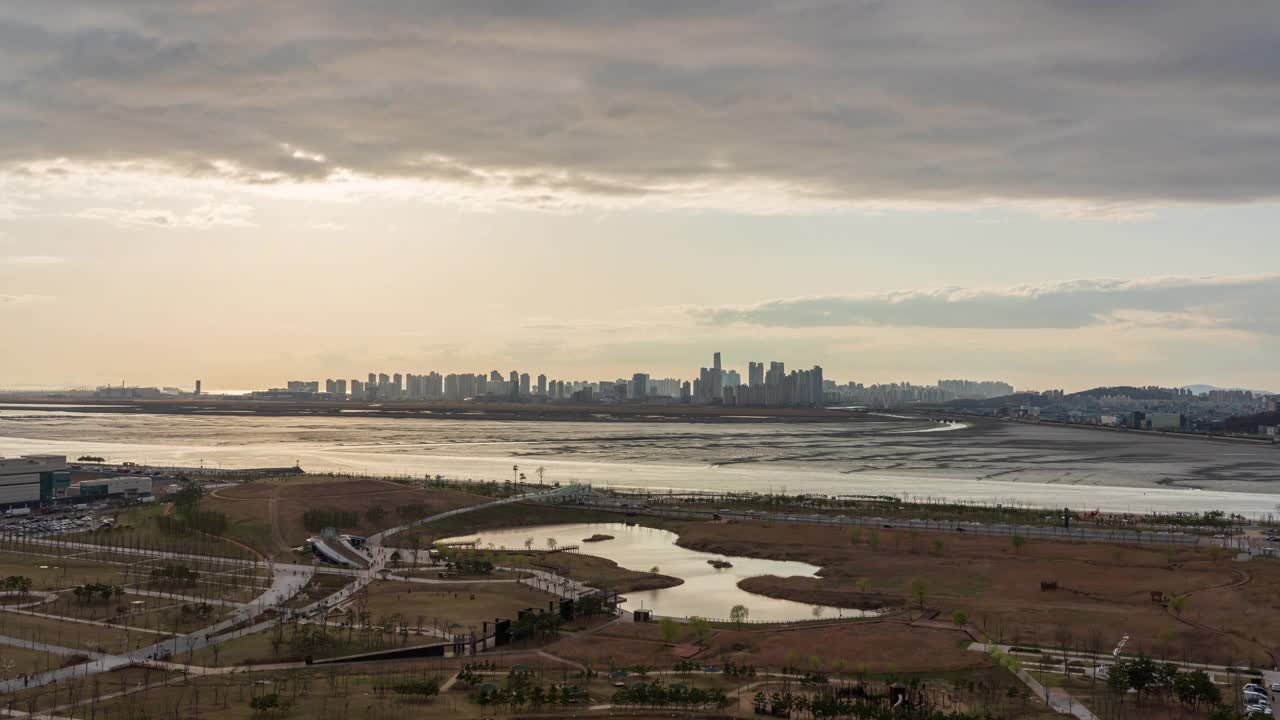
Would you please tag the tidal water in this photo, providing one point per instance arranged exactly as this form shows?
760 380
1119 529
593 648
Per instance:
988 461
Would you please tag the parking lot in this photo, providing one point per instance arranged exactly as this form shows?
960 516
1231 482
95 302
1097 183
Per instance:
54 523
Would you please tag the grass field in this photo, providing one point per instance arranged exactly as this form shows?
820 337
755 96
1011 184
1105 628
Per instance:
465 604
48 572
1103 591
268 514
137 527
78 636
505 516
15 661
595 571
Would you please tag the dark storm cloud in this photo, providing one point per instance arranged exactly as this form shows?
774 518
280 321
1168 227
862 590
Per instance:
847 101
1240 303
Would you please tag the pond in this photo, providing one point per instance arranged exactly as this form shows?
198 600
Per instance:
706 591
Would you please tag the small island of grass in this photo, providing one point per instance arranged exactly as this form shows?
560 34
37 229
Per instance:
598 537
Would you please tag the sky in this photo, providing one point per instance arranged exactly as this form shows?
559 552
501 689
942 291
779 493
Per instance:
1055 193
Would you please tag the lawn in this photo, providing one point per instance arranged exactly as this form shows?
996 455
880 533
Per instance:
505 516
465 604
16 661
49 572
137 528
74 635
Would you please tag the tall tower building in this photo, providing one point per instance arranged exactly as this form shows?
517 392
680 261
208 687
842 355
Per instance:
639 386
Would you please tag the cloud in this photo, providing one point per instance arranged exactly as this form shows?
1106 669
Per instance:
1100 108
202 217
8 300
1242 303
32 260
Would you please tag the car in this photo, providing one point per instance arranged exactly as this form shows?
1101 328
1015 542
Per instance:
1275 686
1254 687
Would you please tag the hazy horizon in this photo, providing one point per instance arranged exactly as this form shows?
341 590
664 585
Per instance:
1058 195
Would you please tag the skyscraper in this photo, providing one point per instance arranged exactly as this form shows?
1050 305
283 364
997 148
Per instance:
755 374
542 385
639 386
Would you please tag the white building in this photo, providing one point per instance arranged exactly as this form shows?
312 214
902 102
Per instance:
129 485
29 478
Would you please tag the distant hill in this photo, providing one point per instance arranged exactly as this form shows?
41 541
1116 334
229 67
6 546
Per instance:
997 402
1197 389
1137 393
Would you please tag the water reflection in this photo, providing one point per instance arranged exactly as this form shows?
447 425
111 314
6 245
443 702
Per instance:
706 591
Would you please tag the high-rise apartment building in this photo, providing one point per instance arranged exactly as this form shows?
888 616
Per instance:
639 386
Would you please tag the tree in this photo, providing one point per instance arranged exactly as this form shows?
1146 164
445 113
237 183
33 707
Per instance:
1018 541
918 591
667 627
738 614
1195 687
959 617
18 583
701 628
541 471
1178 603
187 500
421 688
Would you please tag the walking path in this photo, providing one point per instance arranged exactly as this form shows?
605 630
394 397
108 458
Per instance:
287 580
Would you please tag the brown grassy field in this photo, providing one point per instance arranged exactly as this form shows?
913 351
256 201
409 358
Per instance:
268 515
595 571
467 604
1104 591
73 634
871 647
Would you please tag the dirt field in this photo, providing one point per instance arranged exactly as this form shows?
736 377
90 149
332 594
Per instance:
1103 591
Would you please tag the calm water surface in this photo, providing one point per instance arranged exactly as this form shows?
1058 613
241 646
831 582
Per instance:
706 592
